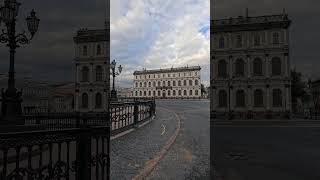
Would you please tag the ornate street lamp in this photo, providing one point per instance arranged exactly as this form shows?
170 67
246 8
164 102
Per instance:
11 99
114 74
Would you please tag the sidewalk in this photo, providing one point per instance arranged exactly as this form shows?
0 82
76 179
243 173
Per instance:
129 153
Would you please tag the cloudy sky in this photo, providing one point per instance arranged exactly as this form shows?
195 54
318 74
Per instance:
304 32
160 34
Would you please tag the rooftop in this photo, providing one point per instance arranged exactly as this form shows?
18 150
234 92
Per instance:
179 69
96 35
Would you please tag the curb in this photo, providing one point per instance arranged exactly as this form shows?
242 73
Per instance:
151 164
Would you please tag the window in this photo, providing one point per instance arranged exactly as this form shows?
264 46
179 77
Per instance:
159 84
174 75
85 74
185 82
136 77
159 93
185 92
140 93
169 93
222 69
136 93
99 73
258 98
136 84
140 84
85 100
179 92
145 93
221 42
179 83
154 84
85 51
257 67
163 83
240 98
174 92
257 40
275 38
154 93
149 76
174 83
196 92
98 49
276 66
222 98
98 100
169 83
239 41
276 98
239 68
149 84
196 82
169 75
149 93
190 82
190 93
145 84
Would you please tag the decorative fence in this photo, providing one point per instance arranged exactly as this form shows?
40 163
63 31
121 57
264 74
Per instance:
68 145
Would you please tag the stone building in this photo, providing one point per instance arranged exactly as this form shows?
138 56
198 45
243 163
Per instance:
171 83
92 70
250 66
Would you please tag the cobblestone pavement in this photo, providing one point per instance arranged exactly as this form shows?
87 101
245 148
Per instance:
189 157
130 152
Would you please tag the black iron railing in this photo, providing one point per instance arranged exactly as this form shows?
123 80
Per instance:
68 145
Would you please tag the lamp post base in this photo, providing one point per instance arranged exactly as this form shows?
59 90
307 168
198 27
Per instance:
114 95
11 109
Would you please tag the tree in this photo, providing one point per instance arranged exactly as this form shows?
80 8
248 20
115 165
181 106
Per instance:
297 88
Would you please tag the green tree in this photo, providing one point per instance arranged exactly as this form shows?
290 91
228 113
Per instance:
298 87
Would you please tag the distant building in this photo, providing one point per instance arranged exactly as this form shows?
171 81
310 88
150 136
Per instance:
250 66
125 92
92 70
62 98
183 82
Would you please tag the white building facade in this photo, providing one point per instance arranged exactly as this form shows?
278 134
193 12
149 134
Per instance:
171 83
250 66
92 70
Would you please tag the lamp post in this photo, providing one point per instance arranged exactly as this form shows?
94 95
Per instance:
11 98
114 74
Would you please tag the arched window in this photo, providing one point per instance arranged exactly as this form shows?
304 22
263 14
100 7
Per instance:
179 83
239 41
257 67
174 83
85 74
257 40
276 98
145 84
185 82
149 93
258 98
196 82
196 92
85 100
154 93
276 66
169 83
159 93
190 93
169 93
140 84
98 49
239 68
144 93
221 42
85 51
136 93
222 69
149 84
159 84
179 92
222 98
240 98
275 38
190 82
99 73
98 100
185 92
154 84
174 92
136 84
140 93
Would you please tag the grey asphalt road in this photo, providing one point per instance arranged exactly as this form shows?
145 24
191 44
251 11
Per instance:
267 152
189 156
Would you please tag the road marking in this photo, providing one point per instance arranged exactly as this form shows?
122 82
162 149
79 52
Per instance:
163 129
